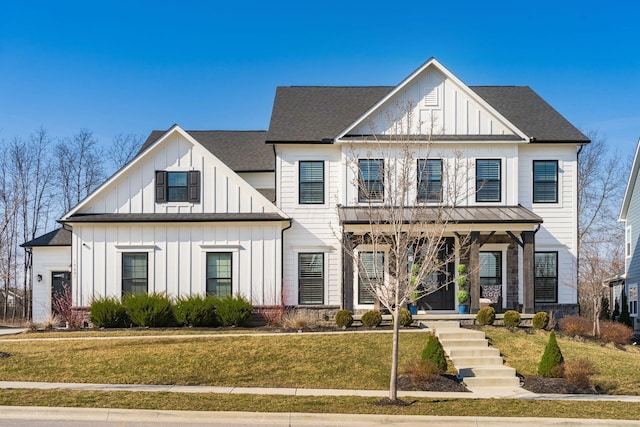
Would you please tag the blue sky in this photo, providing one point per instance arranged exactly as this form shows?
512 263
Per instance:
134 66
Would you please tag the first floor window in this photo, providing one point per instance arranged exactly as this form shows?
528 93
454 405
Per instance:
490 268
546 277
311 185
219 274
311 278
370 275
371 180
430 180
633 299
135 268
488 180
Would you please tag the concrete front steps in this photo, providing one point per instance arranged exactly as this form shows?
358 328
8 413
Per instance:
478 364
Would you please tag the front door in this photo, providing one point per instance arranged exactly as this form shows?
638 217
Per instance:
444 297
59 281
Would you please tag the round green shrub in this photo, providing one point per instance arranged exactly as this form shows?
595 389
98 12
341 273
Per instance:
486 316
233 310
152 310
404 318
108 312
511 319
551 363
540 320
462 296
372 319
462 268
344 318
196 310
434 352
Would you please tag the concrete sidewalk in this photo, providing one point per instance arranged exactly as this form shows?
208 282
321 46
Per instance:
478 393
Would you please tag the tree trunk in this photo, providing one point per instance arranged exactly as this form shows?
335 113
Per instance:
393 381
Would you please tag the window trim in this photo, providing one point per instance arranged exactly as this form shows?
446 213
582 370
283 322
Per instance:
557 182
556 277
419 180
324 274
362 196
499 180
235 264
300 182
123 254
230 278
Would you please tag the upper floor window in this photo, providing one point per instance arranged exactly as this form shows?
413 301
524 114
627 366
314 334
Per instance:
546 277
429 180
488 182
545 181
177 186
135 273
627 241
311 185
371 180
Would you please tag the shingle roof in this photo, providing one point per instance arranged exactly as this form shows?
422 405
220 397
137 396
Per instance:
242 151
314 114
59 237
530 113
176 217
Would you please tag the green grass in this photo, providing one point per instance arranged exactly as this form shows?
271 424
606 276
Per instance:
325 404
619 368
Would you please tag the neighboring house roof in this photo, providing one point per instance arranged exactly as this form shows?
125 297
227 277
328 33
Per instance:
319 114
59 237
242 151
458 215
175 217
631 185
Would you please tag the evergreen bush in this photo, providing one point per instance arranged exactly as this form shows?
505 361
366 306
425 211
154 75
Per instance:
604 310
108 312
434 352
486 316
551 364
405 318
196 310
344 319
511 319
233 310
372 318
151 310
540 320
625 317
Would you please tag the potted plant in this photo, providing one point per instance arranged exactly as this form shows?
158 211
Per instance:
415 296
413 306
463 295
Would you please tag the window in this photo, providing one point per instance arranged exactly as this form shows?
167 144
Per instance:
546 277
490 268
488 184
371 187
311 185
633 300
135 273
219 274
370 275
430 180
177 186
627 241
311 278
545 181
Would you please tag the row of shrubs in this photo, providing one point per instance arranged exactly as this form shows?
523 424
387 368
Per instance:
512 319
158 310
610 332
371 319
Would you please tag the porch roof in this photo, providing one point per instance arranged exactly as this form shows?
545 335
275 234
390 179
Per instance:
456 215
176 217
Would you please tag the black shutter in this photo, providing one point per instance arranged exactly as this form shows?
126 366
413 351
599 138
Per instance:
161 186
194 186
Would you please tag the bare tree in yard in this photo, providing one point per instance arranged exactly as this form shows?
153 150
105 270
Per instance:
601 183
9 204
80 167
400 250
123 149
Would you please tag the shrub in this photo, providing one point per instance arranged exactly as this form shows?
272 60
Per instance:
575 325
233 310
152 310
62 304
421 371
511 319
540 320
405 318
625 317
551 363
616 333
108 312
372 319
578 372
486 316
344 319
196 310
462 296
434 352
297 320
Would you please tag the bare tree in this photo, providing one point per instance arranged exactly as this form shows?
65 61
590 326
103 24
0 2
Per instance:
123 149
401 250
80 167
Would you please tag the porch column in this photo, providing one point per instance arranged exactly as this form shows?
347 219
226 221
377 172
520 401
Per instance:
528 273
474 271
347 273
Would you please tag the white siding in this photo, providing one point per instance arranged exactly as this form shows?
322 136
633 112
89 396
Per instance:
45 261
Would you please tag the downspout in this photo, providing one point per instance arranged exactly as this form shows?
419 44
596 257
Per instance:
578 227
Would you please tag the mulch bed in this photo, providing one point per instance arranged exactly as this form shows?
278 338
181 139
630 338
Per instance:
545 385
444 382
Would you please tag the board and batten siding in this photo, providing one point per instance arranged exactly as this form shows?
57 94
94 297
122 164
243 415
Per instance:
315 228
46 260
558 232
